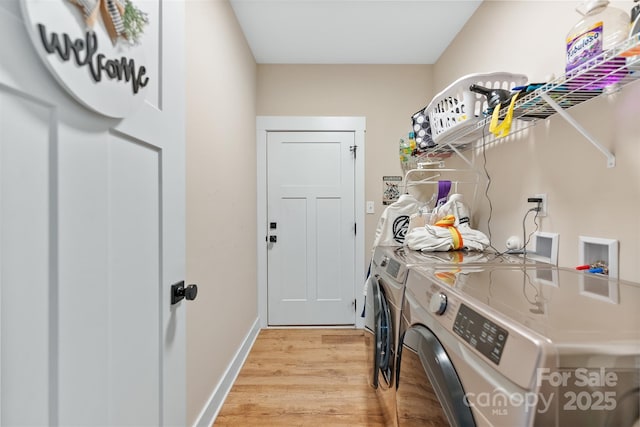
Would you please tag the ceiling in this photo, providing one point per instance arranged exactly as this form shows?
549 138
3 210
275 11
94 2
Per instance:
351 31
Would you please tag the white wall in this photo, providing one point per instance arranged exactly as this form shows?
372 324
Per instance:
584 196
387 95
221 195
525 37
226 90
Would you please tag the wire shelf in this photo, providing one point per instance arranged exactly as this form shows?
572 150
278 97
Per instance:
606 73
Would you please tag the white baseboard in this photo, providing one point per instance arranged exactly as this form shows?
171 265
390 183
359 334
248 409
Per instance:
213 406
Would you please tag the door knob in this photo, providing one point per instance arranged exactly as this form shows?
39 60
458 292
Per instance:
179 292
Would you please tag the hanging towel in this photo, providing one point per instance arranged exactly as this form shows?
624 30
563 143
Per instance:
454 206
443 192
394 221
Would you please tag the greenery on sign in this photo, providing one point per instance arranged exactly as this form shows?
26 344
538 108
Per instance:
134 21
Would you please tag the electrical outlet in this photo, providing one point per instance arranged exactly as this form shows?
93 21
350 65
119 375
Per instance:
543 205
371 207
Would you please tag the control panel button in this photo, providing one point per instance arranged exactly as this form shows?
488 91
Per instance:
438 303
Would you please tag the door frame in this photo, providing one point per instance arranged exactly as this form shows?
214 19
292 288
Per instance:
266 124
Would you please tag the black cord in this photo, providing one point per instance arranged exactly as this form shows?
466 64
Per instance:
524 229
527 280
486 190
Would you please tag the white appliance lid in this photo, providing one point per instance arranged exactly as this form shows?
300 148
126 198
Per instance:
567 307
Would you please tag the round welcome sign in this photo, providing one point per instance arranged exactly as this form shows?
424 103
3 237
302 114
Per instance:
93 49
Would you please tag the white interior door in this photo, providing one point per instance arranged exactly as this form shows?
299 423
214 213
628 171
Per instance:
311 265
92 237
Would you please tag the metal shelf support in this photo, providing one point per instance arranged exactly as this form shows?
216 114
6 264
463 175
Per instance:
611 159
467 161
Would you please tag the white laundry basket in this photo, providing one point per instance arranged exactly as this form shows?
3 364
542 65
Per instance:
455 110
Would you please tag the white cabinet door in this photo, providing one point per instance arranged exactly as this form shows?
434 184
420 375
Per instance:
92 237
311 215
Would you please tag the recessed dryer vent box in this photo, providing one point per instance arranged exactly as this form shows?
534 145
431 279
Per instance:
593 249
546 248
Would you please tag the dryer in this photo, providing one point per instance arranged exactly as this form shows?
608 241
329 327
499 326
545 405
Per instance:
524 345
385 293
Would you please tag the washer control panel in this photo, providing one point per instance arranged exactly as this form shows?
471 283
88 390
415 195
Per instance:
393 267
481 333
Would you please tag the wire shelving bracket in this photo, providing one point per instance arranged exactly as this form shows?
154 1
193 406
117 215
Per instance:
611 159
620 64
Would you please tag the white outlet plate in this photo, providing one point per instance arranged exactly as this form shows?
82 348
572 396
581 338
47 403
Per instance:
371 207
543 205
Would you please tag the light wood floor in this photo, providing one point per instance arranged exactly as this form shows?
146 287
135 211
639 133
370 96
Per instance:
303 377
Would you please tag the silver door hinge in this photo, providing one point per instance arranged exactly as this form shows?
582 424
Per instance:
354 304
355 228
354 150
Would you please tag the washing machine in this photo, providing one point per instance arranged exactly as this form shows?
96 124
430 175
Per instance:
385 293
518 345
382 320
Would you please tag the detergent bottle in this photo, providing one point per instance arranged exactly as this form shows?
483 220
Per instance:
404 151
412 142
601 28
